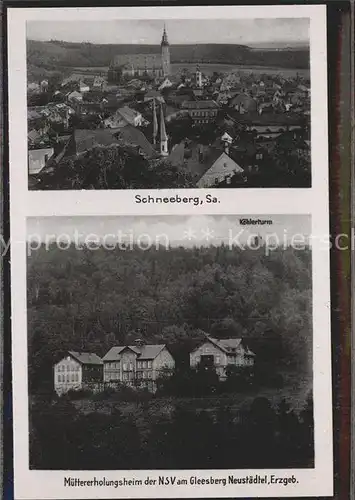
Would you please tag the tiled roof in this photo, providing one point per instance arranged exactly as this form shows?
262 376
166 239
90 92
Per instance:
199 105
128 114
150 351
88 139
86 358
143 352
138 60
131 135
230 345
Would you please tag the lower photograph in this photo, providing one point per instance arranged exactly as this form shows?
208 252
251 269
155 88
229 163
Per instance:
170 342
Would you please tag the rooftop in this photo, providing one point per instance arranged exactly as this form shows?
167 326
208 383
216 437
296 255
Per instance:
146 351
199 105
86 358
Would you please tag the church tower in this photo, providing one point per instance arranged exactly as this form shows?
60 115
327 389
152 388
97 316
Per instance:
165 54
163 136
198 77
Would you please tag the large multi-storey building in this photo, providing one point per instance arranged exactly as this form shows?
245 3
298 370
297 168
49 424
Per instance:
137 365
221 353
152 64
77 370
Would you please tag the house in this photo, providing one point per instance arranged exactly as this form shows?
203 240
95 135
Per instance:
74 96
132 136
77 370
222 353
165 84
33 88
83 87
137 365
38 158
243 103
99 83
124 116
201 111
222 169
34 137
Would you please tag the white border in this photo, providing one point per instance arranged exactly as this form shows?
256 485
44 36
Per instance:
49 484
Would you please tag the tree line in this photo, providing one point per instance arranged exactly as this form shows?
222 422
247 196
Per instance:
91 301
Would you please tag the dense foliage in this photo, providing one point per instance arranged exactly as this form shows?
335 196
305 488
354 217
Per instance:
92 300
114 167
180 437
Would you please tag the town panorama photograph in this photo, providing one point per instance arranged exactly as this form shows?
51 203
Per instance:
169 343
149 104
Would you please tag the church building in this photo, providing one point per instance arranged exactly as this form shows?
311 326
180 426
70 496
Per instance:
152 64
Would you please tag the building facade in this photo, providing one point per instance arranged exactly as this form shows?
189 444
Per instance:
221 353
201 111
77 370
138 365
151 64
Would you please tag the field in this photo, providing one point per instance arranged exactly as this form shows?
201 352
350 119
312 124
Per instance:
220 68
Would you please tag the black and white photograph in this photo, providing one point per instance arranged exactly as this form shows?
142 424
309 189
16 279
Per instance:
168 103
170 342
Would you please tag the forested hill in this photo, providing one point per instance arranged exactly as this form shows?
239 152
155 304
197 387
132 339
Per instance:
54 54
93 300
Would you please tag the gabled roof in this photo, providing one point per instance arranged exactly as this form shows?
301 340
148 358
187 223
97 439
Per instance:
199 105
86 358
131 135
146 351
150 351
114 353
222 167
127 113
229 346
88 139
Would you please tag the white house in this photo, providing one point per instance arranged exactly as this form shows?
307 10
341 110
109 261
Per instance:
222 353
124 116
77 370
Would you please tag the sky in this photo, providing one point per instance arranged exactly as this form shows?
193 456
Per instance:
174 230
185 31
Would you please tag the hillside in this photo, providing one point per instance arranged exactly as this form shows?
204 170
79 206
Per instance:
55 55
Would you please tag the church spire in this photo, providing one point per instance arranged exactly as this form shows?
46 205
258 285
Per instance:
155 123
163 136
164 40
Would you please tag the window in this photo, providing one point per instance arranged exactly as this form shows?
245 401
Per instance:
73 377
59 378
68 378
131 366
125 366
144 374
218 360
149 364
149 375
76 377
144 364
